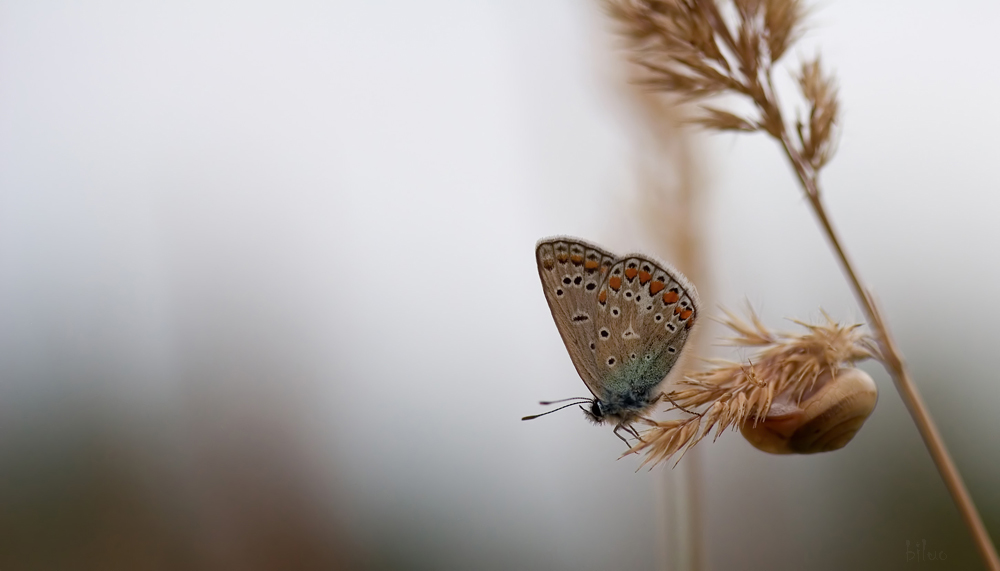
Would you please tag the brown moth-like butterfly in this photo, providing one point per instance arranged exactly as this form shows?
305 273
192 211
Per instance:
624 321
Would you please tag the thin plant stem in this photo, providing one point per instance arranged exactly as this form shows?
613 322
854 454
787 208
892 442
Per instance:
690 252
890 356
893 363
679 201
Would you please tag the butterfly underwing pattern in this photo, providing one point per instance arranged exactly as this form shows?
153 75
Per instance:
624 321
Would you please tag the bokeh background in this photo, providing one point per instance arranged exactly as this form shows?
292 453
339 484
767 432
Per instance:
268 298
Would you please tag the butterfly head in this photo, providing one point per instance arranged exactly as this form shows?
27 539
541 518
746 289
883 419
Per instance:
596 413
622 409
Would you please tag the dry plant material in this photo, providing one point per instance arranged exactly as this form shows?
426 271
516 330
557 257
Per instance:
787 374
697 50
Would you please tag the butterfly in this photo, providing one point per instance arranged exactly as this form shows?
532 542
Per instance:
624 321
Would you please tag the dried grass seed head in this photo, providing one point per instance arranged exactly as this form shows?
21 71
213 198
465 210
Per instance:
700 49
805 380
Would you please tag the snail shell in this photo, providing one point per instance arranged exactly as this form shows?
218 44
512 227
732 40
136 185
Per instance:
822 421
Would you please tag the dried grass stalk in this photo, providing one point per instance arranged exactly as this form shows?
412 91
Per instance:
697 49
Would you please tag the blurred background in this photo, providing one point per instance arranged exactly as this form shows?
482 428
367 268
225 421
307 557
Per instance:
268 297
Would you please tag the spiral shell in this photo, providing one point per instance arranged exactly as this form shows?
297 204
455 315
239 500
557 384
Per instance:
822 421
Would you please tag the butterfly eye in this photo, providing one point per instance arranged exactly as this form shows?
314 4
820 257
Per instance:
595 409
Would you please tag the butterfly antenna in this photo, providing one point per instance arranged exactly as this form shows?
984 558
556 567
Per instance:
534 416
548 402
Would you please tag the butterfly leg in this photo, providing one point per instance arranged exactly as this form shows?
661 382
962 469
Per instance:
631 430
622 438
628 430
666 397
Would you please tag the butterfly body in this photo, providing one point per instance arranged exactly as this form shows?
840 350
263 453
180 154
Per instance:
625 398
624 321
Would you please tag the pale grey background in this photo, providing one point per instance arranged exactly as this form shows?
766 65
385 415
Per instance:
297 237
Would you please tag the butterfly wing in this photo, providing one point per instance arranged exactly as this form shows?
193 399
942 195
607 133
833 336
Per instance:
571 271
645 310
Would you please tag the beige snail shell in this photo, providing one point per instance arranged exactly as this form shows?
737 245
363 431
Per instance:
823 421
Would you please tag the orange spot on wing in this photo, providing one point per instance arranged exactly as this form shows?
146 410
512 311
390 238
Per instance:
562 257
656 287
548 264
644 277
576 259
590 265
615 282
670 297
677 310
631 272
690 322
603 297
685 314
